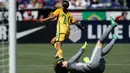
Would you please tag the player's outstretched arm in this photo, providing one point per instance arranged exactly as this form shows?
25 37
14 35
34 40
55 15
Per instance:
80 26
46 19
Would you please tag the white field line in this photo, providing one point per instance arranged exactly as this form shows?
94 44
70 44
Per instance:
53 65
119 53
4 54
3 60
4 66
28 53
3 49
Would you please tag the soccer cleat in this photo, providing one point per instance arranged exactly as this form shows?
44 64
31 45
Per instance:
85 45
114 36
113 22
86 60
61 60
56 57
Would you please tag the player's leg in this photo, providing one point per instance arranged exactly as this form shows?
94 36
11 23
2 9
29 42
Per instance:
59 49
59 39
96 55
108 47
76 57
108 30
97 51
96 58
53 42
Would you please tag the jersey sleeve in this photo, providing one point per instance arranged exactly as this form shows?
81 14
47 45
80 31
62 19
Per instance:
56 12
72 19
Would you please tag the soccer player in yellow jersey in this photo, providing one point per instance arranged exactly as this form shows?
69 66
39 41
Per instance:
64 18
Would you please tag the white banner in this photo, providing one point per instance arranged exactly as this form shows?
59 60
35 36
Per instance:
114 14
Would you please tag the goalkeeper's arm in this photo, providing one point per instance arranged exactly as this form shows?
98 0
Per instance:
80 26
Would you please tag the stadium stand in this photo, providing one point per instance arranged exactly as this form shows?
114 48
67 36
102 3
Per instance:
74 4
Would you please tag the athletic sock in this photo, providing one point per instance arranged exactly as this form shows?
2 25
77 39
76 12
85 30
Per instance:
114 36
113 23
56 55
54 45
60 54
84 46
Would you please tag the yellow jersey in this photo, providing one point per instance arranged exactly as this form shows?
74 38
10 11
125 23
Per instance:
64 21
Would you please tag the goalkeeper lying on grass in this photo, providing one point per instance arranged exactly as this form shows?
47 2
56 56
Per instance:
96 64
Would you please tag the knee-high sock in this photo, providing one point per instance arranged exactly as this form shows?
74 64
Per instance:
108 47
106 33
60 53
54 45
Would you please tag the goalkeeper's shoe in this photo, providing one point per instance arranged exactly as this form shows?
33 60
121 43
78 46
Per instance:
84 46
113 23
86 59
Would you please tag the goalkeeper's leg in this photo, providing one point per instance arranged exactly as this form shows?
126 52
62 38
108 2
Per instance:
108 47
77 56
108 30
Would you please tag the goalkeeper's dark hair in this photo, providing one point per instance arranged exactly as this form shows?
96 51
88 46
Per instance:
59 69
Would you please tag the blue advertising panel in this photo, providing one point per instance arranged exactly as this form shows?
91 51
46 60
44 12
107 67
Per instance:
43 33
94 29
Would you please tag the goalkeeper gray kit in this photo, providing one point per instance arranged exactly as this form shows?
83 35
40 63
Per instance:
96 64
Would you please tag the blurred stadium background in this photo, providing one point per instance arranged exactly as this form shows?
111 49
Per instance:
35 54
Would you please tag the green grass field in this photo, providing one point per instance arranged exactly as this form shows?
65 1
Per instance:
39 58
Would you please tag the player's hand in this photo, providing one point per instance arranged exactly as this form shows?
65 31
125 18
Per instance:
82 27
40 20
